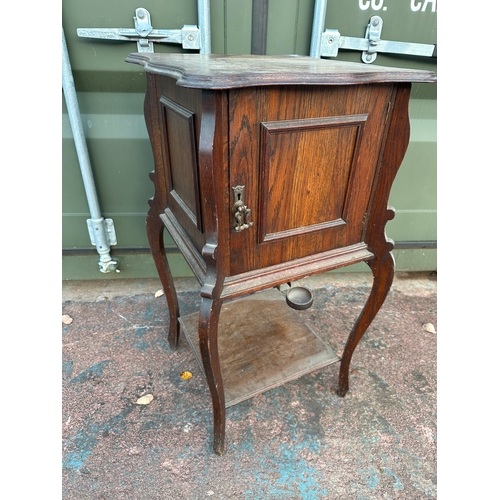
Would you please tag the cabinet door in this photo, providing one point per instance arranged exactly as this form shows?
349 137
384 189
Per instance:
307 158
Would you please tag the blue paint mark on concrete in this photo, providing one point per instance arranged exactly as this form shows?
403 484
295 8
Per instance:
370 440
85 441
75 461
141 344
300 473
92 372
148 313
370 476
67 368
247 447
397 484
294 474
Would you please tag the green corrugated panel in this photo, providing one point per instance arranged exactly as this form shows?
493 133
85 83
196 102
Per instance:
285 20
237 26
111 95
414 192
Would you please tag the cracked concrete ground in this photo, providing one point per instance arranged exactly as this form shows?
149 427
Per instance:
298 441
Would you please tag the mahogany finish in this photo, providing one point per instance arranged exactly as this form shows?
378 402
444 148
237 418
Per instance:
269 169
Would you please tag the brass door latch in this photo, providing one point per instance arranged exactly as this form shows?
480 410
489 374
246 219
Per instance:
241 212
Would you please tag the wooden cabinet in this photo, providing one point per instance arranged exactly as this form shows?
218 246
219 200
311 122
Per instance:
269 169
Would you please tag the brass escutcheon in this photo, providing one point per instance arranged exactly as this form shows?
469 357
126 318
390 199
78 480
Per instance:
241 212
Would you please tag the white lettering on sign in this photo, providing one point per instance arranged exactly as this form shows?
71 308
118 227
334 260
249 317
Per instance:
421 6
374 4
415 5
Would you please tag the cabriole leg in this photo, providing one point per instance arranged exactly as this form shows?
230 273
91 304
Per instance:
154 229
383 274
207 332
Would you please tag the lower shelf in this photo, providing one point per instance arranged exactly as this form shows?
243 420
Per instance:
263 343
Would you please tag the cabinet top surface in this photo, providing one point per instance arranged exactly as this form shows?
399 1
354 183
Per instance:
212 71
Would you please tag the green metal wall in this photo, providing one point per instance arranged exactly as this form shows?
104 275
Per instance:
111 93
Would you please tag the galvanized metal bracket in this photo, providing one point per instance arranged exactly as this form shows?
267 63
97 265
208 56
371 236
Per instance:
101 228
144 34
102 235
332 41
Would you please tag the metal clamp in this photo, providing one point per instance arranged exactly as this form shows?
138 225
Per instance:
331 42
372 34
102 235
144 34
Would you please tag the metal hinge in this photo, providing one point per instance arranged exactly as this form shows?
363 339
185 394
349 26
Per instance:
331 42
101 230
144 34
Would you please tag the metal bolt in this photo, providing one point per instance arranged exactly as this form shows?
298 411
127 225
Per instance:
190 38
330 40
368 58
375 22
140 14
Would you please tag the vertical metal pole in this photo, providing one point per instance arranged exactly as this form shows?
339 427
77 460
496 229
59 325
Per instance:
204 22
98 224
318 27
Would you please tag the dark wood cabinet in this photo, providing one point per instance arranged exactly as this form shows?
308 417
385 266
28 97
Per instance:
269 169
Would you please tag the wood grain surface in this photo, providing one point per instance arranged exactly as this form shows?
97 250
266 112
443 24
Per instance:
263 343
224 71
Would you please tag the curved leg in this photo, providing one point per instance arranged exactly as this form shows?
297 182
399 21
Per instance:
383 273
154 229
207 332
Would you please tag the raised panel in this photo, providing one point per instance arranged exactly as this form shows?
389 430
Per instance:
182 156
305 166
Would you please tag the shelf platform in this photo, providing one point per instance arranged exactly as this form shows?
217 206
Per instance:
263 343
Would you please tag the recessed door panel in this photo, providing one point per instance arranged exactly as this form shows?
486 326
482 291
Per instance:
320 173
181 149
307 157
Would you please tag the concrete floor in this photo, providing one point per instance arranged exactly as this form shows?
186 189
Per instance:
298 441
